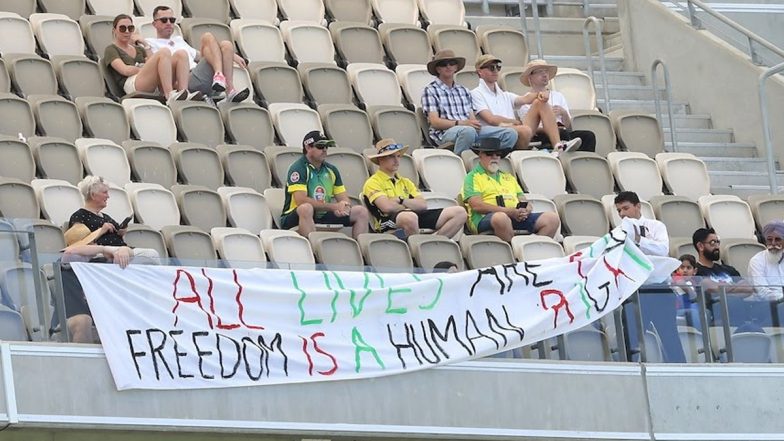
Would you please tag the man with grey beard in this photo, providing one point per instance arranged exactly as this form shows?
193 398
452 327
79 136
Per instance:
766 268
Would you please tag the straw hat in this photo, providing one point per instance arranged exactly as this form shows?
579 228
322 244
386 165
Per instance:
536 64
387 147
79 234
445 55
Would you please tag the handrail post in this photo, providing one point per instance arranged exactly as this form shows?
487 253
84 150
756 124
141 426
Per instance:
537 27
695 22
38 285
524 25
766 125
486 7
668 90
589 57
586 7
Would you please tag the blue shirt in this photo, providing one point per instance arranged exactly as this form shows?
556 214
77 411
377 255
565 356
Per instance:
453 103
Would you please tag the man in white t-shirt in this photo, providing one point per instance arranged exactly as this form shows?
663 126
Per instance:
211 68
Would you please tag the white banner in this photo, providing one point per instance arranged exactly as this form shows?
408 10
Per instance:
185 327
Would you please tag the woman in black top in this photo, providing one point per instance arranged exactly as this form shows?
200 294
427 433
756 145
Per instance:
96 196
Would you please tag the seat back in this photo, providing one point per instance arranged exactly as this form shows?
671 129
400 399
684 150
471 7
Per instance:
508 44
238 248
119 205
5 80
110 7
738 252
73 9
190 245
448 12
399 124
357 43
485 251
245 166
194 28
638 132
287 248
347 125
406 43
533 247
305 10
24 7
153 205
510 81
97 31
146 7
150 121
58 199
79 76
16 116
386 252
198 165
587 344
16 160
582 215
336 250
608 201
681 215
577 87
441 171
248 124
375 85
765 208
214 9
588 173
413 79
598 123
17 200
151 163
103 118
572 244
198 122
16 34
294 121
636 172
249 32
539 172
102 157
396 11
56 116
142 236
308 42
751 347
352 168
357 11
326 83
684 174
461 40
32 75
280 159
246 209
430 249
728 215
200 206
266 10
57 34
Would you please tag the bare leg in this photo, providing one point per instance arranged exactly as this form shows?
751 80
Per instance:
547 224
502 226
210 51
81 328
542 112
306 222
524 135
182 67
359 220
451 221
156 72
227 57
408 221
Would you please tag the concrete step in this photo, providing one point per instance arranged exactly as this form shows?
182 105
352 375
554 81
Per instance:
613 64
630 92
705 150
718 163
645 106
573 25
734 178
692 121
700 135
744 191
615 78
561 9
615 39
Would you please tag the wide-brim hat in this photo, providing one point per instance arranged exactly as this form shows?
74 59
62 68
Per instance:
490 145
536 64
485 60
387 147
79 234
445 55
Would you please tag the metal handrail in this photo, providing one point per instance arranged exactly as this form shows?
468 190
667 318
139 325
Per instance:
766 125
751 36
668 90
537 27
589 57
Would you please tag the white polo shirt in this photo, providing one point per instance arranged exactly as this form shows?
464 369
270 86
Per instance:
498 102
556 99
174 44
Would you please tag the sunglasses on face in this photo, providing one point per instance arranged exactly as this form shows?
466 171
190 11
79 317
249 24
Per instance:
323 145
124 28
493 154
493 68
167 20
446 63
389 147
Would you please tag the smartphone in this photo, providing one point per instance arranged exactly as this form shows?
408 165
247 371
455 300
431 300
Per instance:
125 222
522 204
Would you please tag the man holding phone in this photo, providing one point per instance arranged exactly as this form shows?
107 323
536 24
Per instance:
495 200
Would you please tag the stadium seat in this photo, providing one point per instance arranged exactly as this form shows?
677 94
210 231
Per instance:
103 118
212 9
510 81
598 123
58 199
751 347
407 167
447 12
194 28
199 206
57 34
119 205
539 172
396 11
582 215
189 245
572 244
635 171
249 33
16 34
577 87
766 207
357 11
485 251
684 174
79 77
280 159
146 7
293 122
325 83
405 43
153 205
638 132
198 164
12 327
352 168
457 38
356 42
430 249
440 170
397 123
681 215
680 246
150 120
16 116
276 82
467 78
375 85
728 215
587 173
56 158
245 166
386 253
73 9
336 250
238 248
413 80
18 290
151 163
437 200
288 249
142 236
543 204
347 125
248 124
275 198
17 200
9 244
303 10
56 116
587 344
18 7
5 79
49 239
16 160
31 74
110 7
506 43
308 42
738 252
246 208
608 201
102 157
535 247
266 10
471 159
199 122
692 343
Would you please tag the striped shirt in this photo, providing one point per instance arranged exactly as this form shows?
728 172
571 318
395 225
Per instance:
452 103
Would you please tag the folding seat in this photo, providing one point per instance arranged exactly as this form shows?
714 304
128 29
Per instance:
684 174
325 83
279 160
150 120
396 11
765 208
467 78
405 43
413 80
119 205
16 34
692 343
16 160
728 215
31 74
151 163
238 248
49 240
97 31
248 124
539 172
636 172
276 82
5 79
145 7
245 166
351 166
577 87
18 289
638 132
248 33
56 116
302 10
386 253
608 201
506 43
582 215
681 215
357 11
246 209
599 124
189 245
57 34
510 81
347 125
12 327
375 85
110 7
738 252
153 205
457 38
534 247
198 122
19 7
572 244
103 118
194 28
16 116
587 173
287 249
541 204
447 12
58 199
399 124
751 347
275 198
293 122
430 249
357 43
266 10
437 200
485 251
212 9
102 157
143 236
56 158
336 250
471 159
199 206
587 344
17 200
440 170
308 42
79 77
680 246
198 164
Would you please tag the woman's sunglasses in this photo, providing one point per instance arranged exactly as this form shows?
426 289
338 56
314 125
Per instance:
124 28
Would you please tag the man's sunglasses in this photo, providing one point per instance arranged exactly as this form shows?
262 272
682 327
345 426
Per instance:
124 28
389 147
493 68
323 145
446 63
171 20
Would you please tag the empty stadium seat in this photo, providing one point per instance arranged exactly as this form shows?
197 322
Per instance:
151 163
103 118
287 249
397 123
437 200
598 123
57 34
587 344
102 157
143 236
245 166
119 205
728 215
150 120
325 83
189 245
680 246
16 116
12 327
308 42
510 81
638 132
430 249
467 78
681 215
572 244
238 248
153 205
448 12
751 347
305 10
280 159
246 209
357 42
541 204
146 7
213 9
440 170
577 87
375 85
18 200
539 172
457 38
506 43
276 82
413 80
582 215
18 7
608 201
56 116
110 7
16 34
405 43
79 77
635 171
199 122
198 164
684 174
765 208
738 252
256 10
396 11
9 244
358 11
692 343
97 31
5 80
199 206
534 247
249 33
347 125
351 166
336 250
294 121
16 160
248 124
275 198
385 252
58 199
587 173
31 74
485 251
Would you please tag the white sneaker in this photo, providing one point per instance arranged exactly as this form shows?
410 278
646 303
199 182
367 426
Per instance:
566 146
176 95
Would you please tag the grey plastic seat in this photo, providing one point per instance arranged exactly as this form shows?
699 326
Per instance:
194 28
325 83
248 124
293 121
751 347
288 249
17 200
245 166
582 215
308 42
49 240
22 7
587 344
728 215
16 116
684 174
151 163
385 252
635 171
430 249
356 42
396 11
347 125
57 35
692 343
375 85
58 199
357 11
598 123
102 157
467 78
73 9
200 206
765 208
248 33
256 9
103 118
351 166
12 327
276 82
16 34
198 164
638 132
440 170
510 80
587 173
145 7
189 245
110 7
150 120
539 172
681 215
5 79
535 247
198 122
16 160
56 158
461 40
214 9
79 76
142 236
238 247
399 124
405 43
246 208
305 10
738 252
336 250
31 74
485 251
153 205
506 43
280 159
56 116
97 31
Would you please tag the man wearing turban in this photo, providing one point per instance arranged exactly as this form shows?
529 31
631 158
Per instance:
766 268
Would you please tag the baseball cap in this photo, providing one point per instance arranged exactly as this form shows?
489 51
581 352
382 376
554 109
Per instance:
316 137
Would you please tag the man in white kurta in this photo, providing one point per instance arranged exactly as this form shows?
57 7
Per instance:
766 268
